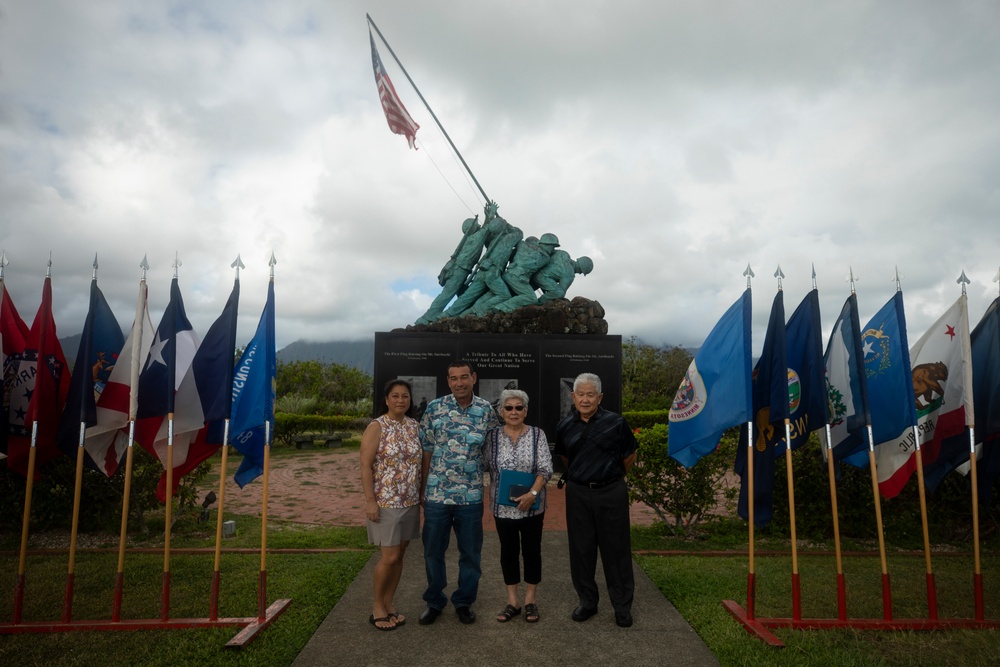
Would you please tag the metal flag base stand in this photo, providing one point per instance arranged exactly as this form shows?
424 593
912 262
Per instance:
252 625
760 627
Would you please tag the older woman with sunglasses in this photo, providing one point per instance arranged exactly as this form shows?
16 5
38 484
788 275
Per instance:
516 449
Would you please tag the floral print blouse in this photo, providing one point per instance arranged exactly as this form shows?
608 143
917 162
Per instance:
396 470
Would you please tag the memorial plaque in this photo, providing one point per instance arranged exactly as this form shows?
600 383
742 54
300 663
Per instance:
543 366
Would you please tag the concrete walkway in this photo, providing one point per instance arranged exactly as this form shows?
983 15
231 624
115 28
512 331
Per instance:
659 636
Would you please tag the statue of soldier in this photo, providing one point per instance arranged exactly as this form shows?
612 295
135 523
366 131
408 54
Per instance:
501 239
457 269
555 277
528 260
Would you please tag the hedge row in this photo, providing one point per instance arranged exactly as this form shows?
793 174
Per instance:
646 418
287 426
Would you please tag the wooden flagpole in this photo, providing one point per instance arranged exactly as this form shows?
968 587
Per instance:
77 488
429 110
932 608
751 572
23 557
213 605
977 574
165 593
262 587
886 589
796 590
116 605
841 588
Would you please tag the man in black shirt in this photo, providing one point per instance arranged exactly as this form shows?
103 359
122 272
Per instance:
598 448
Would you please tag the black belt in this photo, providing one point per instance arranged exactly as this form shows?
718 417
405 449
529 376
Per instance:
598 485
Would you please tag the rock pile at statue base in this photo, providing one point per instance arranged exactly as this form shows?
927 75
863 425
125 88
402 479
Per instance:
561 316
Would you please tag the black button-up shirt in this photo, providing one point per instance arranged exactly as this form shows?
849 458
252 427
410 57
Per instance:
596 449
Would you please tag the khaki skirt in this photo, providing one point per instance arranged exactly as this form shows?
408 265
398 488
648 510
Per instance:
395 525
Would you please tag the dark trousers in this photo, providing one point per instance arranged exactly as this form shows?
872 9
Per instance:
598 519
520 538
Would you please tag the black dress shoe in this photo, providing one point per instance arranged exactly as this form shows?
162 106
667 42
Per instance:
466 615
428 616
623 619
581 613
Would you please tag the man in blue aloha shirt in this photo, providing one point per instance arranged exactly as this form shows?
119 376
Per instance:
452 431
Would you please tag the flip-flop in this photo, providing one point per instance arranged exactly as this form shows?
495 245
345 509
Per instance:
508 612
383 619
399 618
531 613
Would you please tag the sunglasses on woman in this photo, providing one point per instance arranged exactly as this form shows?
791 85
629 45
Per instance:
519 408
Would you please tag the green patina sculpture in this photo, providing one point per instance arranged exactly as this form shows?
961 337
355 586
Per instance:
492 268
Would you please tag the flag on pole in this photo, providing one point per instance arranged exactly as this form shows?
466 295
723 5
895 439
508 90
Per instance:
396 114
211 373
942 387
888 374
807 395
253 396
715 392
161 383
13 341
770 409
847 389
100 347
107 440
47 392
985 347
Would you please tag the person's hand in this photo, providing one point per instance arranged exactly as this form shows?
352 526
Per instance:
525 502
371 510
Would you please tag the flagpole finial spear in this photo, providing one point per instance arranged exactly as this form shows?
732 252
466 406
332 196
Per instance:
177 263
749 274
271 263
779 274
897 278
814 275
3 261
144 265
996 278
963 280
95 266
238 264
48 267
852 278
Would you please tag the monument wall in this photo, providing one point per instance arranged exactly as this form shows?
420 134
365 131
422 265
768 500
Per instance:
542 365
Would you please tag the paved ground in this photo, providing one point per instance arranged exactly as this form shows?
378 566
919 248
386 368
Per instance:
323 486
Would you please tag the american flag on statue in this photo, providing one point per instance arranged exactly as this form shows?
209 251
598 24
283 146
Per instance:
397 115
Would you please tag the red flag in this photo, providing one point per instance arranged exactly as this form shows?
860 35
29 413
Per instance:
395 113
14 335
47 392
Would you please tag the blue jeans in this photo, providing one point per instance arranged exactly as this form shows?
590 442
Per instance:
468 523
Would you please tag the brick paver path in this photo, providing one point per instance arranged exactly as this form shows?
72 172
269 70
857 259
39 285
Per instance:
324 487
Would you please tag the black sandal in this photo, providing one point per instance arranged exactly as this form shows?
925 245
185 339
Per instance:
509 612
531 613
382 619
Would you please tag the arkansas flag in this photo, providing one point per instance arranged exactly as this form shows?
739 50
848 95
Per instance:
13 341
942 386
106 441
45 393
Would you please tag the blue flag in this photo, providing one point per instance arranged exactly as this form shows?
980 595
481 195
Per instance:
715 392
847 389
100 345
173 348
887 372
807 395
253 396
770 409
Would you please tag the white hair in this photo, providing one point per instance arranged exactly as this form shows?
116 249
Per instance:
587 378
508 394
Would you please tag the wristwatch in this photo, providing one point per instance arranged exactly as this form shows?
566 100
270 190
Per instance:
534 493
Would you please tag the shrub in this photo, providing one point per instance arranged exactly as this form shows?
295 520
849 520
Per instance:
646 418
287 426
680 497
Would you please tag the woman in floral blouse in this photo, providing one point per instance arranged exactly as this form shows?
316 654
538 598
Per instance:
390 479
515 446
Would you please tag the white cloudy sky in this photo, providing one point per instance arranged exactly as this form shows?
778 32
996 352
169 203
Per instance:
673 142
